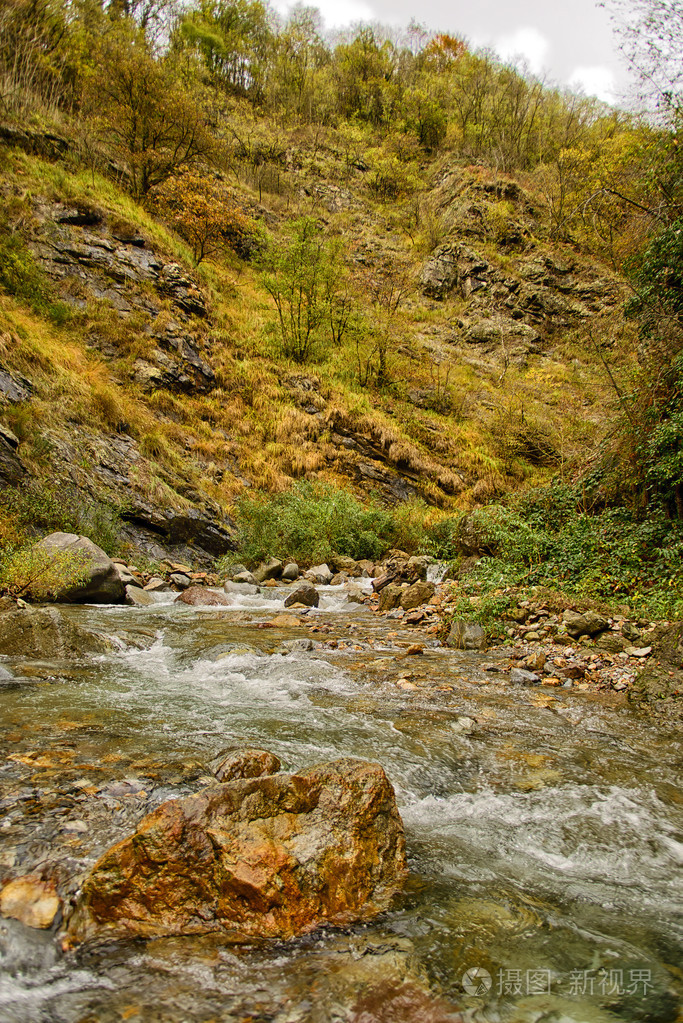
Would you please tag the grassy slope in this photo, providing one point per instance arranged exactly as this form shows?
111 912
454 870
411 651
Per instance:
250 427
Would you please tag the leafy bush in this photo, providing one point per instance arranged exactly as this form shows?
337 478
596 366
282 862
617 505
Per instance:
35 507
32 571
21 277
548 539
310 522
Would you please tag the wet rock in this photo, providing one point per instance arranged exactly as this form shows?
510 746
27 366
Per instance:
587 624
241 588
305 594
33 902
519 676
293 646
419 593
233 764
320 574
101 581
44 633
390 597
181 580
339 579
269 570
268 857
290 572
466 636
200 596
137 597
157 585
355 595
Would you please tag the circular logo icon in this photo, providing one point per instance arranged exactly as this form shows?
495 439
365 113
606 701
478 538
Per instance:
476 981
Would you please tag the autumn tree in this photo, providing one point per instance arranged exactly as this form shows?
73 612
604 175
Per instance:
152 126
205 214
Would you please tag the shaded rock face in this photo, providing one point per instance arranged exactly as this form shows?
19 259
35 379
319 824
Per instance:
440 273
117 265
43 632
102 583
11 469
270 857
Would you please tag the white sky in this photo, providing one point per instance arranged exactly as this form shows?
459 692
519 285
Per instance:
570 42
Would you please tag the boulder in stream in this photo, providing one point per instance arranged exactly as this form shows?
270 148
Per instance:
305 594
101 581
45 633
269 857
244 763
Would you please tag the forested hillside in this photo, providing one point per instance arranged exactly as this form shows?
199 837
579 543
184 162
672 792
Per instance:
240 258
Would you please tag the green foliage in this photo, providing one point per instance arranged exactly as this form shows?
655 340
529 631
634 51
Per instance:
310 522
21 277
41 507
548 539
305 278
32 571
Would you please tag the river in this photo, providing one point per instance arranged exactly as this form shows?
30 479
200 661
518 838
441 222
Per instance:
544 827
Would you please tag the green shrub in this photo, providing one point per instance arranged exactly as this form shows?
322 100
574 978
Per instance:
32 571
35 507
21 277
310 522
548 539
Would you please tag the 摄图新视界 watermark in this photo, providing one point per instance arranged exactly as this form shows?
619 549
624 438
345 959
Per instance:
608 982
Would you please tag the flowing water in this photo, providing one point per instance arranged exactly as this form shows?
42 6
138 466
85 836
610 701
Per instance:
544 827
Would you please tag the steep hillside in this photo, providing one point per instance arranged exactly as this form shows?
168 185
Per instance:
138 388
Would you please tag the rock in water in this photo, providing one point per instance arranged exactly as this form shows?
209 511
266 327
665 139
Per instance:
32 901
269 857
305 594
101 581
244 763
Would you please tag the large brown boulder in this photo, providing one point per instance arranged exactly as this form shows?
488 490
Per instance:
306 594
419 593
269 857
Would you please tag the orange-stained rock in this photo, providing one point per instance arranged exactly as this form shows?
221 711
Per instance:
244 763
269 857
199 595
32 901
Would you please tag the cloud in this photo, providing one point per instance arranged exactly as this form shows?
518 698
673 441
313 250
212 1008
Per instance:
523 46
594 81
335 13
